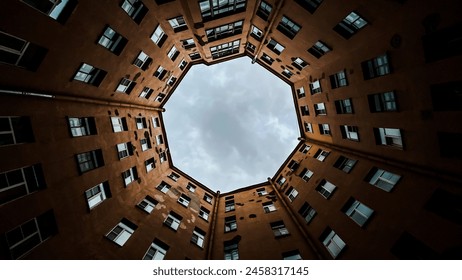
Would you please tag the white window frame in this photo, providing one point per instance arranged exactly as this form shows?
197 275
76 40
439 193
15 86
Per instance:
269 207
190 187
158 34
292 195
184 200
384 180
315 87
391 137
322 155
117 124
308 174
122 150
204 214
280 230
150 164
163 187
177 22
144 146
124 84
155 252
320 109
121 237
301 92
351 132
324 129
198 238
326 189
172 52
79 126
131 176
141 59
172 222
334 244
359 212
262 192
301 62
146 205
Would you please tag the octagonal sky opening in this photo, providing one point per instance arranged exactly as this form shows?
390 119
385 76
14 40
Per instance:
231 125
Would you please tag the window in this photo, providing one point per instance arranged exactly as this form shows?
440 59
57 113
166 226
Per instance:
264 10
407 247
261 192
304 148
288 27
266 58
349 132
299 63
230 224
82 126
21 182
148 204
345 164
160 2
159 37
357 211
163 187
321 154
174 176
333 243
198 237
324 129
325 188
178 24
112 40
293 165
146 92
171 81
173 53
119 124
301 92
382 179
15 130
350 25
160 72
388 137
446 204
442 43
338 80
450 144
225 49
279 229
18 52
194 55
173 220
292 255
231 251
320 109
89 160
315 87
183 64
256 33
25 237
190 187
319 49
308 126
129 176
142 61
224 31
275 47
124 150
251 47
156 251
160 97
141 122
162 156
184 200
122 232
382 102
217 9
306 174
291 194
287 73
309 5
229 204
149 164
145 144
188 43
134 9
208 198
307 212
281 180
344 106
126 86
58 10
268 207
376 67
204 213
90 75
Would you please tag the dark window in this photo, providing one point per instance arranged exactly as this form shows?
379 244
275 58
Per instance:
15 130
307 212
382 102
90 75
319 49
82 126
126 86
225 49
251 47
89 160
288 27
112 40
293 165
266 58
230 224
407 247
194 56
279 229
338 79
299 63
217 9
443 43
178 24
21 182
350 25
345 164
58 10
264 10
344 106
287 73
349 132
188 43
142 61
305 110
224 31
18 52
309 5
447 96
450 144
376 67
160 2
275 47
134 9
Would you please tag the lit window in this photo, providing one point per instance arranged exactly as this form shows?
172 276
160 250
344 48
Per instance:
149 164
160 72
315 87
388 137
21 182
319 49
145 144
307 212
320 109
89 160
256 33
134 9
184 200
275 47
119 124
325 188
198 237
178 24
163 187
349 132
268 207
190 187
231 251
58 10
174 176
141 122
324 129
124 150
350 25
146 92
279 229
304 148
321 154
266 58
18 52
173 53
230 224
126 86
112 40
82 126
344 106
90 75
383 102
208 198
129 176
376 67
288 27
301 92
264 10
148 204
173 221
188 43
224 31
382 179
291 194
156 251
333 243
357 211
338 80
217 9
309 5
306 174
122 232
142 61
225 49
345 164
299 63
261 192
204 213
159 37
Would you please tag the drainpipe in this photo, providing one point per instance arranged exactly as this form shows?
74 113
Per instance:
213 227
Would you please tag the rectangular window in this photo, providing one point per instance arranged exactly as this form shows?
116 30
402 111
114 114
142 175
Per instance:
160 72
382 179
135 9
309 5
89 160
156 251
230 224
274 46
194 55
208 198
256 33
198 237
145 144
204 213
149 164
173 53
82 126
261 192
231 251
142 61
217 9
315 87
184 200
171 80
349 132
229 204
21 182
141 123
182 64
333 243
251 47
293 165
292 255
148 204
308 127
18 52
357 211
146 92
188 43
90 75
291 194
305 110
345 164
190 187
301 92
307 212
288 27
122 232
388 137
125 85
321 154
225 49
319 49
124 150
344 106
15 130
264 10
299 63
376 67
162 157
178 24
112 40
159 37
173 220
268 207
279 229
287 73
267 59
338 80
129 176
324 129
304 148
58 10
382 102
224 31
25 237
174 176
326 188
281 180
119 124
350 25
306 174
320 109
160 97
163 187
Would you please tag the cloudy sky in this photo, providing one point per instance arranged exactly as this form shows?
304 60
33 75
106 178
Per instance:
230 125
